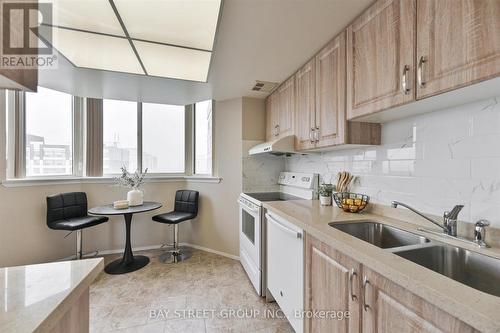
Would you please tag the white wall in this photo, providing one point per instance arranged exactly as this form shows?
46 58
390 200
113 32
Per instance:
25 237
432 161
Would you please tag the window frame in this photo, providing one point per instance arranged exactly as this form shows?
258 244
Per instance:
17 139
16 165
194 140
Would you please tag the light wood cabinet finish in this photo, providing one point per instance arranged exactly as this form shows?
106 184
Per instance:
327 282
280 111
380 45
305 106
330 93
286 95
393 309
272 116
458 42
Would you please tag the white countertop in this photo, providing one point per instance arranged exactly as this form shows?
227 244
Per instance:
35 297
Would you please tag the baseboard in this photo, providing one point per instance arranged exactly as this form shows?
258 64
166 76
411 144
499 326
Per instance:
156 247
206 249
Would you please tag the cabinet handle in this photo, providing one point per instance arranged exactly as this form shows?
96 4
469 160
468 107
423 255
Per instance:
311 134
365 283
277 130
404 80
420 71
352 274
316 134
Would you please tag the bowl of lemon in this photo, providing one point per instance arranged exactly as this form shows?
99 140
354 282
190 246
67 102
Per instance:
351 202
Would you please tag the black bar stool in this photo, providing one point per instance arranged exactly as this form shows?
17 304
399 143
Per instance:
185 208
68 211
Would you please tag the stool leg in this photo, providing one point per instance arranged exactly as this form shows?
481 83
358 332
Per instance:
79 244
177 253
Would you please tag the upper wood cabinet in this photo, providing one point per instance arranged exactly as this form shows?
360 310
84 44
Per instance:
330 94
458 43
272 115
286 93
305 106
389 308
332 282
320 103
380 58
280 111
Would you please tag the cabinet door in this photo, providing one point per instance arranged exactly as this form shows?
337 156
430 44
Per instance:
305 106
330 93
393 309
381 57
332 283
458 43
271 117
286 93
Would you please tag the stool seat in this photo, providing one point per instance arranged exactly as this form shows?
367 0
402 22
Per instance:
174 217
76 223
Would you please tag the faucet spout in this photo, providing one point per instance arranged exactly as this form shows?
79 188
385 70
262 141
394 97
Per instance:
395 204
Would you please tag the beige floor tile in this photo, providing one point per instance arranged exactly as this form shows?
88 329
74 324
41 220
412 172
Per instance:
158 297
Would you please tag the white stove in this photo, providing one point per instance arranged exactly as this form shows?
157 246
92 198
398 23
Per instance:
293 186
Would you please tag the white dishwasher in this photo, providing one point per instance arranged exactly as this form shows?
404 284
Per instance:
285 268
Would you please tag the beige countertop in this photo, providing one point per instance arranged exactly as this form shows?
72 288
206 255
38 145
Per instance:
474 307
34 297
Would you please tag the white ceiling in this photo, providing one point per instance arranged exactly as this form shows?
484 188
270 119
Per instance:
256 40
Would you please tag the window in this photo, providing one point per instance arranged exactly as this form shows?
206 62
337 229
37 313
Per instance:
163 138
46 136
203 138
119 136
49 133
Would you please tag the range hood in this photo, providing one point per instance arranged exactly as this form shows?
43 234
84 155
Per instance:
279 146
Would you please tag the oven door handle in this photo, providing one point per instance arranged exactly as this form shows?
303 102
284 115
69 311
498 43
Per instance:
284 227
246 207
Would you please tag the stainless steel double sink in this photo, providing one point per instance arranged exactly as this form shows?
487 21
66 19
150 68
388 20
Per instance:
475 270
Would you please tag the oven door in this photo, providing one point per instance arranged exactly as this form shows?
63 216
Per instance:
250 242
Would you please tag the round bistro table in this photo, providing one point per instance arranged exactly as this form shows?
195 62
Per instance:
129 262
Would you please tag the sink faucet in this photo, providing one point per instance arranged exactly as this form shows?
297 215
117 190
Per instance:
449 225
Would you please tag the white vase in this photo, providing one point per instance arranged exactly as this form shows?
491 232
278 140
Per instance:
325 201
135 197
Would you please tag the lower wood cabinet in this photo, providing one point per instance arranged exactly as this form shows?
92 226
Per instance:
336 282
332 283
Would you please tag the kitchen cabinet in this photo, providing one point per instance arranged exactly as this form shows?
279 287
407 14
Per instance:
305 82
389 308
272 116
458 44
280 111
330 94
285 267
320 103
332 282
380 58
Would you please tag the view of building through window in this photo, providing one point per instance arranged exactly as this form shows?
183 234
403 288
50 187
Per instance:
49 133
203 137
119 136
163 138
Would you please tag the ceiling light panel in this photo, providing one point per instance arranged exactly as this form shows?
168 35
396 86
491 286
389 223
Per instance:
89 15
174 62
190 23
97 51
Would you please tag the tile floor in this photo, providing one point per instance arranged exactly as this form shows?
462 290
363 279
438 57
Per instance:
172 298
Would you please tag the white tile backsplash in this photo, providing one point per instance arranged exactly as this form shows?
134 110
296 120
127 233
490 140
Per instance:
260 172
431 161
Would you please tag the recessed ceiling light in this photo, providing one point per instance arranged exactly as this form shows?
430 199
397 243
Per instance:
90 15
96 51
190 23
174 62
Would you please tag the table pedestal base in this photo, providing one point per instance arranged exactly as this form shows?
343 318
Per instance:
119 266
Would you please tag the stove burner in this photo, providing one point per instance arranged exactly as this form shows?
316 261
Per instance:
272 196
